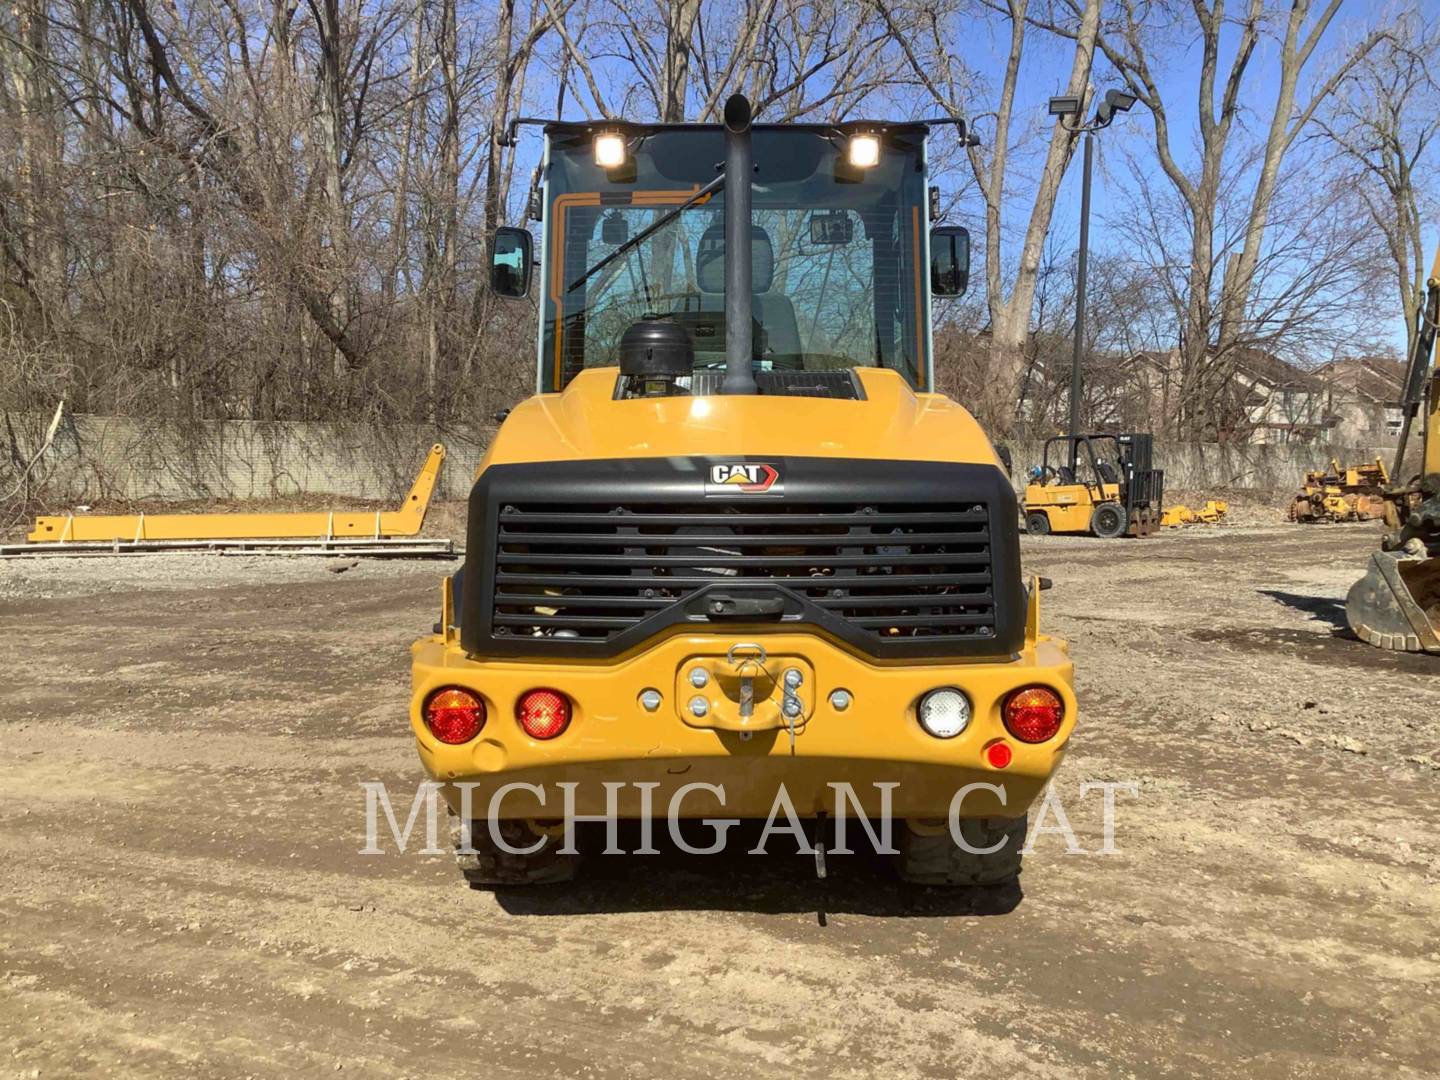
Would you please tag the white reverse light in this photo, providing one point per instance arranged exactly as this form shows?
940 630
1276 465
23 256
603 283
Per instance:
609 150
944 713
864 151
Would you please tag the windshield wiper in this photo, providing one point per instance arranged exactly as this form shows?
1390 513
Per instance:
649 231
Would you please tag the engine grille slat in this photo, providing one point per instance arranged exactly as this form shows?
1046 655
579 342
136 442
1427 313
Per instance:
710 557
634 580
927 600
886 621
709 517
634 539
565 621
543 600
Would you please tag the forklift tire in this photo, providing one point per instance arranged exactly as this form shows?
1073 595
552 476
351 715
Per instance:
1037 523
1109 521
931 857
487 864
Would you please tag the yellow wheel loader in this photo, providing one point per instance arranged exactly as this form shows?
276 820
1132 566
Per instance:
1396 605
737 557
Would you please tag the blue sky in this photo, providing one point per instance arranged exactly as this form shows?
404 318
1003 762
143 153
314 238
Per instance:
1046 67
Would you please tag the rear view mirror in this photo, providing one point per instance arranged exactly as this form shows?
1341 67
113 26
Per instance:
511 263
949 260
614 229
831 228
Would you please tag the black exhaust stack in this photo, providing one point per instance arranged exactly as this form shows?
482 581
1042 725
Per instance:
739 168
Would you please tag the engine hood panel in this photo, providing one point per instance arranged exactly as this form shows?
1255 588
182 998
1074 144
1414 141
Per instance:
585 422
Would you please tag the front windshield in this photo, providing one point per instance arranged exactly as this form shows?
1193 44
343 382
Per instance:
836 257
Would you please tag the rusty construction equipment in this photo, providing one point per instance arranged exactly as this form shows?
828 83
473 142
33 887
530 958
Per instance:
357 532
1342 493
1396 605
1212 512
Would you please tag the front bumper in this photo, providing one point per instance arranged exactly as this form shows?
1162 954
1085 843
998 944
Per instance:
613 739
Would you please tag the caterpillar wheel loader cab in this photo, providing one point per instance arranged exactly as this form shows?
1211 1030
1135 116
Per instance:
736 550
1396 605
1100 484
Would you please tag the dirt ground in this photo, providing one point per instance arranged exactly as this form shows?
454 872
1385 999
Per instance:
183 738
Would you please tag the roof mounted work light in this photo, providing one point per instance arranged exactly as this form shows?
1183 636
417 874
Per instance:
864 150
609 149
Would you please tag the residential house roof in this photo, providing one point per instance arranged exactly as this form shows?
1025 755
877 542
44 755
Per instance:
1376 379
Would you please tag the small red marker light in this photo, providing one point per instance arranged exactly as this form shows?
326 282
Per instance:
1033 714
454 715
999 755
543 714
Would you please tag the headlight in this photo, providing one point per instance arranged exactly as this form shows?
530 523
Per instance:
944 713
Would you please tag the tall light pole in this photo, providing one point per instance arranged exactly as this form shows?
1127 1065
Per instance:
1067 108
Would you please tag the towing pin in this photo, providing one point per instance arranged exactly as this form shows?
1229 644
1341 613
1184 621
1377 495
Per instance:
820 845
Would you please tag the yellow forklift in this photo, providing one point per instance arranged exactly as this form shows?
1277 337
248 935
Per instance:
1099 484
736 549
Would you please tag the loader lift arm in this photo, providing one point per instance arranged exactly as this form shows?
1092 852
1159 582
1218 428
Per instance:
1427 318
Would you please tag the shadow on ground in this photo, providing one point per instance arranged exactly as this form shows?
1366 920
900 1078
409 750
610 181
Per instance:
781 881
1324 609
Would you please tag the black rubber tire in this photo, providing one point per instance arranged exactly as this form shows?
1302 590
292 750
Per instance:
488 865
1037 523
926 859
1109 521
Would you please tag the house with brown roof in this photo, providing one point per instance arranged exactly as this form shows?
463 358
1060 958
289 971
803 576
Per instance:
1264 399
1280 402
1362 399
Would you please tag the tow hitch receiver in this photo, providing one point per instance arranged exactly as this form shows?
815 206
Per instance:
745 690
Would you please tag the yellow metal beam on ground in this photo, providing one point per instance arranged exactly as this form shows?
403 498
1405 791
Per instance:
405 521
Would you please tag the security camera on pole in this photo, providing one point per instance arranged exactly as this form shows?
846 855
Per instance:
1068 109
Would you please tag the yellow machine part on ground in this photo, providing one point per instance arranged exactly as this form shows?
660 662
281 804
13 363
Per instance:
405 521
1213 511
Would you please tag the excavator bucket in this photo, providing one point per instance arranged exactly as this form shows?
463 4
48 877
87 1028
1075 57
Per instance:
1396 605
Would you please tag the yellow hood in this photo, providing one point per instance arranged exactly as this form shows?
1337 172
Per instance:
584 422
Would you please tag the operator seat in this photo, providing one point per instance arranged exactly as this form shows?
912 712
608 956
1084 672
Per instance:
773 311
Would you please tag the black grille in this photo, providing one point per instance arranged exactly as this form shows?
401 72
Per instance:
896 571
592 576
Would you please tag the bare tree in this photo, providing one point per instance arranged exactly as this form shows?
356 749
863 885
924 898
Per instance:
1133 41
926 41
1380 123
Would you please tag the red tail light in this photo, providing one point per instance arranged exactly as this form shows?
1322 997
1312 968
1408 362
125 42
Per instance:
1033 714
543 714
454 715
999 755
